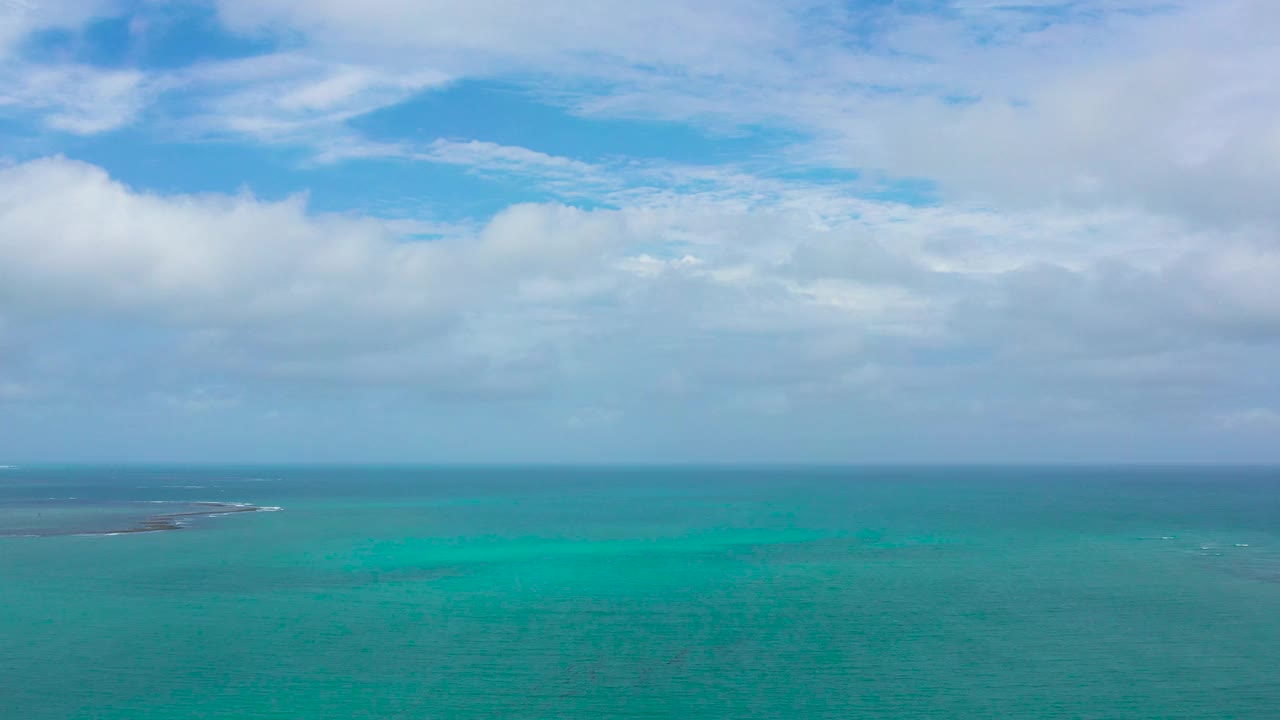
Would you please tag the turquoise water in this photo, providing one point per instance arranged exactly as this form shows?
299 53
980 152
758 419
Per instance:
643 593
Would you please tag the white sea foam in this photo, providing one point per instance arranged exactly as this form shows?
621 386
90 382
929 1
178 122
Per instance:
184 517
1242 544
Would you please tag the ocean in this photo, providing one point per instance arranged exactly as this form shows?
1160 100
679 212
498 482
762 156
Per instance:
655 592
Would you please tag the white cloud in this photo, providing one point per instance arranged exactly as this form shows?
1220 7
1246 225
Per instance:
1103 256
1099 104
70 97
1251 420
1095 104
77 99
273 276
19 18
593 417
291 97
486 35
245 276
10 391
199 400
761 314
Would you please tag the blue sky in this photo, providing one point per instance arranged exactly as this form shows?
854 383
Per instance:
760 230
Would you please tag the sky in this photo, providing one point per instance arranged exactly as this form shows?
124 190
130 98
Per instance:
608 231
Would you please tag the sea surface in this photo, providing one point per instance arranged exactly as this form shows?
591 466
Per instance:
531 593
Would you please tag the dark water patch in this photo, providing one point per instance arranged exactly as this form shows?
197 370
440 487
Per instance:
55 517
267 579
178 520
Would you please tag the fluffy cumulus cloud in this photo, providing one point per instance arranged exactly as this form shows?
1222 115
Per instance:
235 272
977 231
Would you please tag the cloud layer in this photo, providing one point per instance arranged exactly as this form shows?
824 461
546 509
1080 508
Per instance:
1090 271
